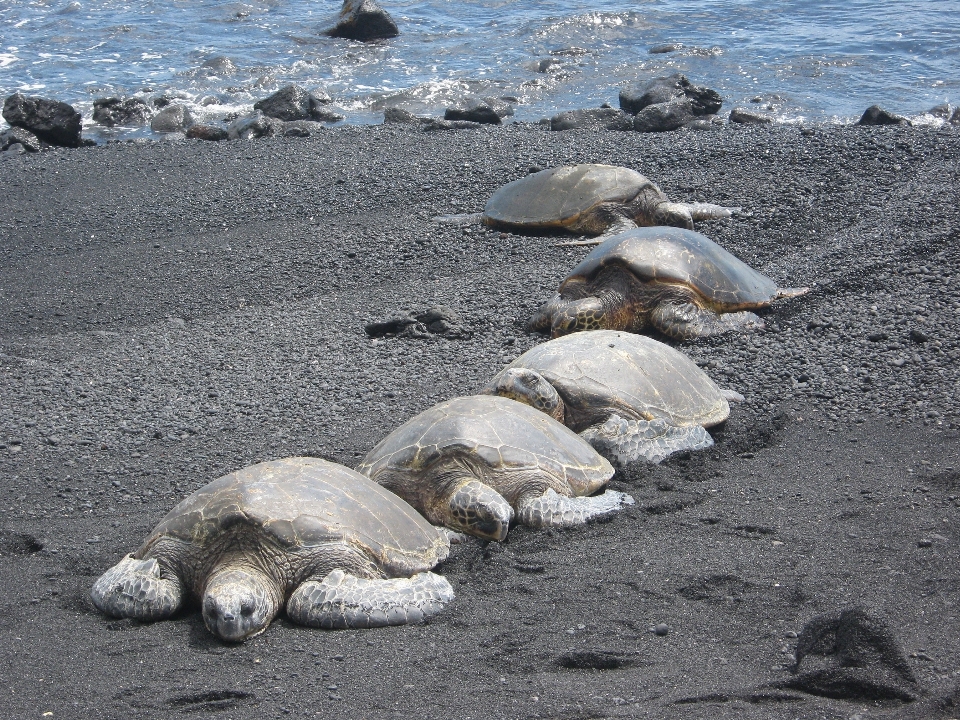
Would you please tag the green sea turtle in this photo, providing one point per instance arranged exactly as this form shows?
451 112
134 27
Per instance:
590 200
476 463
338 550
628 395
678 281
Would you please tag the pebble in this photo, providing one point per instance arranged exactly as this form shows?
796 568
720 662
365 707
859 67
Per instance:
661 629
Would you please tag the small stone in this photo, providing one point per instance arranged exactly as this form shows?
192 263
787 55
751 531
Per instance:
661 629
924 543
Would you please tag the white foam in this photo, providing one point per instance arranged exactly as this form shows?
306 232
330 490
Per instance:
6 60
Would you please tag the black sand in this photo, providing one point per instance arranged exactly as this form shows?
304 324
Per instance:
174 311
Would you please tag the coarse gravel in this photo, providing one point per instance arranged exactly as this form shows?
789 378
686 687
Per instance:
175 310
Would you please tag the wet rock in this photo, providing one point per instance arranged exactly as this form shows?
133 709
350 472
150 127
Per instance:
400 116
666 116
667 88
852 654
955 118
592 119
173 118
875 115
219 65
115 111
254 126
941 111
664 49
487 111
363 20
442 124
27 141
206 132
51 121
745 117
295 103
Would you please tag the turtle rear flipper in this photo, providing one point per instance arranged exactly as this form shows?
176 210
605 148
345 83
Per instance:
688 320
555 510
626 441
341 601
134 589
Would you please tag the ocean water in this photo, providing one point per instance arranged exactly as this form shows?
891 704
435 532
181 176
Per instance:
804 60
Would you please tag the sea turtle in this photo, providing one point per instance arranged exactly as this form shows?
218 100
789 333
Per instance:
590 200
337 549
474 463
678 281
628 395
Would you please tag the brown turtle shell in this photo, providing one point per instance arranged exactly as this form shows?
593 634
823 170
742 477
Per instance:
556 198
303 502
684 257
605 372
503 435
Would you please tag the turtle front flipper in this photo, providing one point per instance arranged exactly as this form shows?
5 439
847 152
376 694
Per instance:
625 441
617 224
134 589
342 601
555 510
688 320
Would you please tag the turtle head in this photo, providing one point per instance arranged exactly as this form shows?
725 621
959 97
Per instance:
530 387
239 603
674 215
478 509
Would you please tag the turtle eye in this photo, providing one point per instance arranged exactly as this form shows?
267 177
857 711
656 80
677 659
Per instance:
246 609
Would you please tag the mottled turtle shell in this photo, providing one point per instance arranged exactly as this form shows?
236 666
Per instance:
685 257
502 434
557 197
304 502
605 372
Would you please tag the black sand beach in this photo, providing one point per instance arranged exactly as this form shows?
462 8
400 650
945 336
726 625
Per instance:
173 311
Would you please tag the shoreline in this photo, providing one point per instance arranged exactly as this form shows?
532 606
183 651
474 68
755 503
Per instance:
174 312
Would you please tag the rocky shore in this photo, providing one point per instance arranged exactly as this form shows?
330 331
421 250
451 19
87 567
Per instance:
176 310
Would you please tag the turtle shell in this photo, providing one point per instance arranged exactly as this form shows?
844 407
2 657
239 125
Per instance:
501 434
675 255
303 502
559 196
605 372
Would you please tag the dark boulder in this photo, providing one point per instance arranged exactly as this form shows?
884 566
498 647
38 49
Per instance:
399 116
52 121
487 111
19 136
218 66
668 88
876 115
442 124
173 118
955 118
295 103
592 119
665 116
363 20
206 132
941 111
745 117
114 111
254 126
